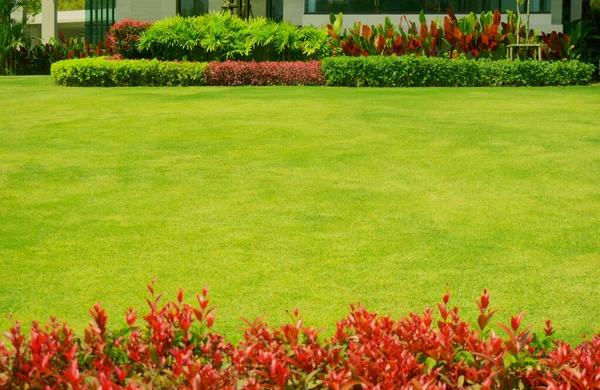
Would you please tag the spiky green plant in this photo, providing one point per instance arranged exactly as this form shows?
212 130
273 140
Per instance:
220 36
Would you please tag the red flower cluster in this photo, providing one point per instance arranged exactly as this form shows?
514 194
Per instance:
176 349
123 37
236 73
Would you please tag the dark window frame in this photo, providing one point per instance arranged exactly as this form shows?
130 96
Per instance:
199 7
377 7
99 17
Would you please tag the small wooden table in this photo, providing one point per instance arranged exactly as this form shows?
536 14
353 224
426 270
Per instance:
228 6
526 45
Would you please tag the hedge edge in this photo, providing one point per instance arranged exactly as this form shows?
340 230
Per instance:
403 71
104 72
413 71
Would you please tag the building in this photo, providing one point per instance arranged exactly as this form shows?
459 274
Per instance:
92 23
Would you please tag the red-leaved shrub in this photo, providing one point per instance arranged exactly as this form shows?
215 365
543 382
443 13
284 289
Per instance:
176 349
234 73
123 37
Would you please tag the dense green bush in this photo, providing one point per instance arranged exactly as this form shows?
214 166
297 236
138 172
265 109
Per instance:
104 72
222 36
412 71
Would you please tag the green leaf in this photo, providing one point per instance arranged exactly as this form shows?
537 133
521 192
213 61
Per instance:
430 363
509 359
337 25
422 18
154 356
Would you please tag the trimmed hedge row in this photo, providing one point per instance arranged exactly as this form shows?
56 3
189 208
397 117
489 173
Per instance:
412 71
403 71
237 73
104 72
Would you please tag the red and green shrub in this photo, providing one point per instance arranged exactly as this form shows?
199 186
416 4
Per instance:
469 36
39 59
557 44
235 73
124 36
174 347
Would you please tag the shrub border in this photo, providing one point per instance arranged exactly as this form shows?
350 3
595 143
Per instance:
107 72
414 71
173 346
376 71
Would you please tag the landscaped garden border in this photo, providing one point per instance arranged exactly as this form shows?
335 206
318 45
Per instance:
176 348
376 71
222 36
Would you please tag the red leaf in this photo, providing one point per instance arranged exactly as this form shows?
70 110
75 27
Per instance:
367 32
482 321
515 322
423 32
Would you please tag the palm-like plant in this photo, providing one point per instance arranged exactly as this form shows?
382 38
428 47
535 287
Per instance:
287 41
12 32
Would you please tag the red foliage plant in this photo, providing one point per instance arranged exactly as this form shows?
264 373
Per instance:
472 37
557 44
176 348
38 59
123 37
236 73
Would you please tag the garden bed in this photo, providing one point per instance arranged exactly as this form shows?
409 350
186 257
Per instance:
379 71
173 346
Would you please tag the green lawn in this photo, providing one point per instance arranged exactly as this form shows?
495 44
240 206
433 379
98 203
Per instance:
313 198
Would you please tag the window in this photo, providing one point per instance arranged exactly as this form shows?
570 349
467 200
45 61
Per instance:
415 6
192 7
99 16
275 10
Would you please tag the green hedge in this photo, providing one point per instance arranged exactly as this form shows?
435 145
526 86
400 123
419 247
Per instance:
412 71
404 71
103 72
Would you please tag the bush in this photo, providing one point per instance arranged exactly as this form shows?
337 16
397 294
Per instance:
175 348
412 71
105 72
376 71
222 36
39 58
124 37
264 73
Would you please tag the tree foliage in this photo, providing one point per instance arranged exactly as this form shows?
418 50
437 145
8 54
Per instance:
12 31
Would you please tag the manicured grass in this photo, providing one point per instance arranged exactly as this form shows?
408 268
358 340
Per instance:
314 198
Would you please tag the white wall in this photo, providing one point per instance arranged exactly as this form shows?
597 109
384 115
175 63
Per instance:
145 10
293 11
541 22
576 10
70 23
49 27
259 7
214 5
